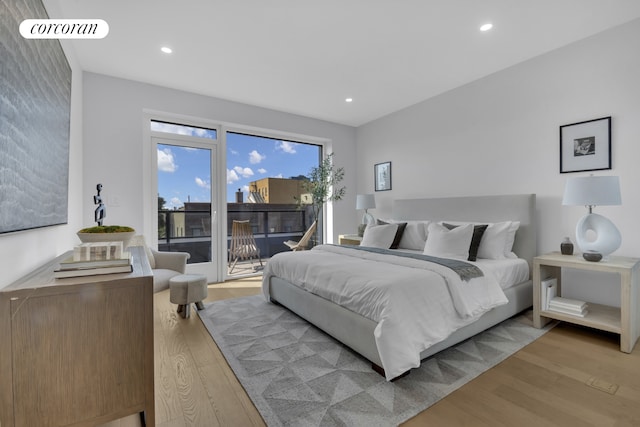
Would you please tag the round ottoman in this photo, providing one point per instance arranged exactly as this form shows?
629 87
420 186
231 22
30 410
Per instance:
185 289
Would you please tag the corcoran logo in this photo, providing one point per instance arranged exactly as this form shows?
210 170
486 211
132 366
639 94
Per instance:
64 29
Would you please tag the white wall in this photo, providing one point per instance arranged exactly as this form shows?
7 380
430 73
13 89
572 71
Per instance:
22 251
500 135
113 141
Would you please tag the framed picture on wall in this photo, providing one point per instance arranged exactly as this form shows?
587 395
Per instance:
382 176
585 146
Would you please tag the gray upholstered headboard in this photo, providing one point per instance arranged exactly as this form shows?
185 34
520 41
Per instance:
518 207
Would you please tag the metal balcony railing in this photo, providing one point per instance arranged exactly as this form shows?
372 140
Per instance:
189 230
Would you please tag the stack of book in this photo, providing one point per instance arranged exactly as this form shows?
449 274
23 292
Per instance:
72 267
568 306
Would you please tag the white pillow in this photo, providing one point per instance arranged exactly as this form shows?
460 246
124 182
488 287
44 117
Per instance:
414 235
493 237
445 243
494 241
511 237
379 236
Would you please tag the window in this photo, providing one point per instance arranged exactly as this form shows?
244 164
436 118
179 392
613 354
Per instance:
264 177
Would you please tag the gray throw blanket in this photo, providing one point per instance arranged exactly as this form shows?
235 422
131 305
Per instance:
463 269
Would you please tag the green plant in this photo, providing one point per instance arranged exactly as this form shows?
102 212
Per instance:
107 229
322 185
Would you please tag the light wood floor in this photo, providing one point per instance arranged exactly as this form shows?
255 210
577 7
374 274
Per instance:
545 384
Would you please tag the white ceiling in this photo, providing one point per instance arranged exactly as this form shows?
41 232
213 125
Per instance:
306 57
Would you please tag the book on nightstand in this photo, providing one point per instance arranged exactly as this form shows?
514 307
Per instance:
549 291
568 306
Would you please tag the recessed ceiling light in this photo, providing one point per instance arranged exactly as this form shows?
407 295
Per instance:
348 100
486 27
166 49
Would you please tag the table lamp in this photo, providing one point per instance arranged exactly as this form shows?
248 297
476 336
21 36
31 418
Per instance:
592 191
366 202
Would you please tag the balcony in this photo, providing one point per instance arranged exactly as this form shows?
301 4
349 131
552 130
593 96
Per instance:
189 230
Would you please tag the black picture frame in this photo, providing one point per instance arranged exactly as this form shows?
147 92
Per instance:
586 146
382 176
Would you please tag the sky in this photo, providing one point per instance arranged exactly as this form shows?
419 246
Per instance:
184 173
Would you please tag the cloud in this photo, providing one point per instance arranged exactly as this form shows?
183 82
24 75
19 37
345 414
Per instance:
262 170
174 202
232 176
202 183
255 157
245 172
286 146
166 161
279 176
245 188
237 172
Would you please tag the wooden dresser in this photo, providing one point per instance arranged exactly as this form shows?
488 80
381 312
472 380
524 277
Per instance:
77 351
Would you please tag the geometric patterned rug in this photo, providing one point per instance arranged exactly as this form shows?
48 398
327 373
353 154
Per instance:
296 375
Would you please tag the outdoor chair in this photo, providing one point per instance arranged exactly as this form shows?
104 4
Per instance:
304 242
243 244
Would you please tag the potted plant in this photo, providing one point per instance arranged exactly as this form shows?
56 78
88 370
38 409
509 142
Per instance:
106 233
321 186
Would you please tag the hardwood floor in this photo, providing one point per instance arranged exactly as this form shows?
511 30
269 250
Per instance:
572 376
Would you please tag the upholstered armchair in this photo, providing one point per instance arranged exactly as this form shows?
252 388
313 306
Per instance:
164 265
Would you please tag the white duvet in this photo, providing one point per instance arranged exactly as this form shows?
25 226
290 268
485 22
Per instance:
415 303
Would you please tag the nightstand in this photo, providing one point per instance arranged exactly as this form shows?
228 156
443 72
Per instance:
349 239
624 320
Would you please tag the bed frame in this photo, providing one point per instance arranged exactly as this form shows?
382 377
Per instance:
356 331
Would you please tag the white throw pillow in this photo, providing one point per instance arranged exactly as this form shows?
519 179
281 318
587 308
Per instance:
414 235
511 237
494 241
445 243
379 236
493 237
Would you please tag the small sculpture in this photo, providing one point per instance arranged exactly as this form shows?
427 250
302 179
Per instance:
101 210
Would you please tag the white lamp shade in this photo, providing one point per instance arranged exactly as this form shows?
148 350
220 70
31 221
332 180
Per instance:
592 191
365 201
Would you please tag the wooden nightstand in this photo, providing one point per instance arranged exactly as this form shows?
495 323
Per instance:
349 239
624 320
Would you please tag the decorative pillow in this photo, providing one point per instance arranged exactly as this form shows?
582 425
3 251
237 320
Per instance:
489 246
511 237
396 240
445 243
494 241
414 235
478 231
379 236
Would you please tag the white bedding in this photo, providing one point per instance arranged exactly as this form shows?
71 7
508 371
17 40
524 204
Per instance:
414 307
507 272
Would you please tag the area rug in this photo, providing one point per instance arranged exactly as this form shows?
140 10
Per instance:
296 375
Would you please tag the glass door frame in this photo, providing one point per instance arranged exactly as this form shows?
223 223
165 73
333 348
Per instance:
326 146
219 181
216 269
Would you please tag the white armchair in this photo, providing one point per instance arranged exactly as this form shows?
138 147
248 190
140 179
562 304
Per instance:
164 265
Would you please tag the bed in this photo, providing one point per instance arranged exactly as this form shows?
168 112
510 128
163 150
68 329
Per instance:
383 335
